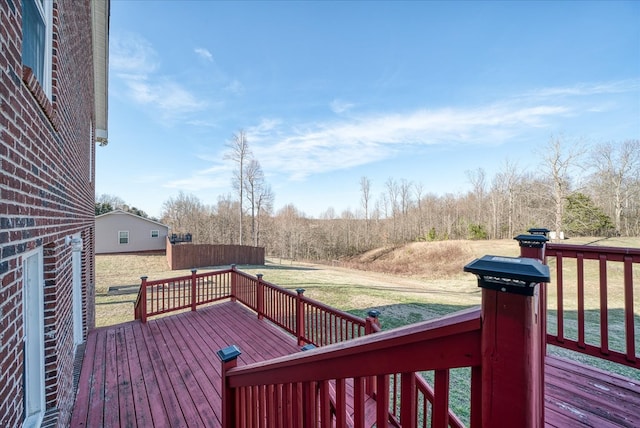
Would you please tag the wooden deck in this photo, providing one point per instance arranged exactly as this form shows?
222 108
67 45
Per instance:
165 374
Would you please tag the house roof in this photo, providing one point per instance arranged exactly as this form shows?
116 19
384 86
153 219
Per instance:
120 212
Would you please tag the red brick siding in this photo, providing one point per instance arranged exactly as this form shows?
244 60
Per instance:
46 194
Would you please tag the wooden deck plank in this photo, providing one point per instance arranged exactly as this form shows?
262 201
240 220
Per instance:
111 408
165 374
159 378
97 399
171 376
189 370
125 379
138 388
155 400
588 396
81 410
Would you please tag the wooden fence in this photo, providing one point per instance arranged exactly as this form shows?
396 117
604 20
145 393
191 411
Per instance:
189 256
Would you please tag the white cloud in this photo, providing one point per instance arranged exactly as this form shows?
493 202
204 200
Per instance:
586 89
135 62
204 54
216 177
131 55
339 106
303 151
235 87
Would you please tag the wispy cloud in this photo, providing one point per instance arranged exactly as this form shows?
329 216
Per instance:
204 54
587 89
215 177
329 146
235 87
134 61
339 106
300 150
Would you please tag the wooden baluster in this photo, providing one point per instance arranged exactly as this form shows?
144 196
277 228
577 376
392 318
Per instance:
234 283
143 299
408 409
260 297
194 288
300 328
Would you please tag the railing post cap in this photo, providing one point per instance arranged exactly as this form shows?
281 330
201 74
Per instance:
300 290
259 275
308 347
531 241
517 275
194 270
233 266
374 313
539 231
144 277
229 353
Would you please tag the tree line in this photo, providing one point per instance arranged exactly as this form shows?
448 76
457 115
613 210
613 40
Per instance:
574 191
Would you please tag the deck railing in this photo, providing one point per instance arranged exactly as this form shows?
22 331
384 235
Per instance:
173 294
592 325
272 393
309 320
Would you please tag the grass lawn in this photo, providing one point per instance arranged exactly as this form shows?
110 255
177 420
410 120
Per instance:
433 285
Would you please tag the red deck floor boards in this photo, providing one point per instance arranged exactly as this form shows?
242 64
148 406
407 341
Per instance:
165 373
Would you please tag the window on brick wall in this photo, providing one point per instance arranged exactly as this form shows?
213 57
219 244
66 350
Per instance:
37 23
123 237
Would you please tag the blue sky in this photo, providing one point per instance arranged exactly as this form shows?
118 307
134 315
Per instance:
329 92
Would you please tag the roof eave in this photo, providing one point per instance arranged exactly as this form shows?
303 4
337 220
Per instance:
100 29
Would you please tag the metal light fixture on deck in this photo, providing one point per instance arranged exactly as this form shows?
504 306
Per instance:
76 243
509 274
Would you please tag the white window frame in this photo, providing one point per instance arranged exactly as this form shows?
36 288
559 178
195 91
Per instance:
120 237
45 8
157 233
33 319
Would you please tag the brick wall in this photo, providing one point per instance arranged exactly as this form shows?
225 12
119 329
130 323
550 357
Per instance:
46 193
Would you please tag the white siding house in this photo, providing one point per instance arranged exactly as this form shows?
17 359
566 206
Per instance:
122 232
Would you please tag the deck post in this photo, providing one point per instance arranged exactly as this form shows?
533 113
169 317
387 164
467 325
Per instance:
372 324
533 246
143 299
300 316
510 340
372 319
229 358
234 284
260 297
194 287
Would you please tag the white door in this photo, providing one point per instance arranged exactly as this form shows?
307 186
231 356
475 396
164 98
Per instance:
33 315
76 261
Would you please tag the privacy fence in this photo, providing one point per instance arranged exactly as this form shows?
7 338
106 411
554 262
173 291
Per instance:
189 256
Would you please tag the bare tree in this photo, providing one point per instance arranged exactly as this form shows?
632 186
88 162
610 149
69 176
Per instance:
559 162
253 184
365 198
239 153
617 172
477 178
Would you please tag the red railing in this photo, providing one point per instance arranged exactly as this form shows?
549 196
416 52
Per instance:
173 294
594 327
309 320
322 381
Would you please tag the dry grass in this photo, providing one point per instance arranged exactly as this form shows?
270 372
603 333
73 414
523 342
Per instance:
429 260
